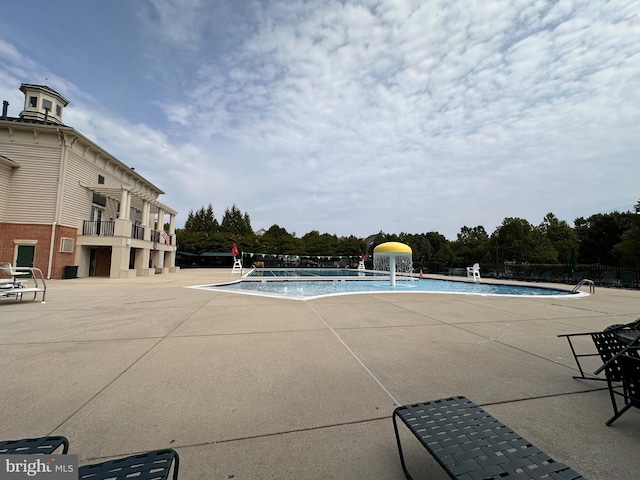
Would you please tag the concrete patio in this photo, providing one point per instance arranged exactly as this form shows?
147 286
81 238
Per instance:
249 387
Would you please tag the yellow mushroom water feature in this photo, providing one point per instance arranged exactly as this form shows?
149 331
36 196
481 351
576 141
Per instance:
390 255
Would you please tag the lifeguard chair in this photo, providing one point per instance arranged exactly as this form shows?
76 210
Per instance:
237 262
237 266
474 272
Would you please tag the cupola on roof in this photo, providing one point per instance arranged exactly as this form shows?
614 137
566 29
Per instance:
42 103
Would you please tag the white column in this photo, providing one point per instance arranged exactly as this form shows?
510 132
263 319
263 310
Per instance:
129 197
160 225
146 207
124 205
392 269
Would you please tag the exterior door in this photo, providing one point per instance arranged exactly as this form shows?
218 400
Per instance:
96 216
26 254
103 261
93 253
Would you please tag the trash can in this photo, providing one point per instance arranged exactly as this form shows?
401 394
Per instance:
71 271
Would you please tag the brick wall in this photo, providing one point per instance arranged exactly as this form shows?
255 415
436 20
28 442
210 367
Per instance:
42 233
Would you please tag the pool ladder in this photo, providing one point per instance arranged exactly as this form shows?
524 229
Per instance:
585 281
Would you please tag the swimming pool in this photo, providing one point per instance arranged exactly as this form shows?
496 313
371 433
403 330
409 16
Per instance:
313 272
310 289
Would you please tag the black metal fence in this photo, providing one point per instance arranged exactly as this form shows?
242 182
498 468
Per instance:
137 232
98 228
608 275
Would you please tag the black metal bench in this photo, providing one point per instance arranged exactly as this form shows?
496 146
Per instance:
470 444
30 446
154 465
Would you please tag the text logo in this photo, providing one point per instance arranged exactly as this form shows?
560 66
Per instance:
49 467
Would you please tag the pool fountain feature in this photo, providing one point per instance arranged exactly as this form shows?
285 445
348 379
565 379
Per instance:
393 256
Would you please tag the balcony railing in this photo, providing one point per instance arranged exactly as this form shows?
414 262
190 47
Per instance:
98 228
137 232
92 228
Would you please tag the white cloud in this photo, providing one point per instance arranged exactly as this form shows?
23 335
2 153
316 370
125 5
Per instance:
394 115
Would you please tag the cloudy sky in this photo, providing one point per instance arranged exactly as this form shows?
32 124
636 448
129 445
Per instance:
350 117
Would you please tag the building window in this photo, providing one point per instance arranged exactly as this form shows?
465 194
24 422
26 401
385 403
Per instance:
58 110
33 102
100 179
46 105
66 245
99 199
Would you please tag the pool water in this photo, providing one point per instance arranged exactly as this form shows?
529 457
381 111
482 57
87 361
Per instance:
313 272
308 289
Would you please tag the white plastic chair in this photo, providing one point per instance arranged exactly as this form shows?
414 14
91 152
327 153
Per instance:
7 269
474 272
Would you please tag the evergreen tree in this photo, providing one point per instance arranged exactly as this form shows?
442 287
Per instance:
203 221
235 222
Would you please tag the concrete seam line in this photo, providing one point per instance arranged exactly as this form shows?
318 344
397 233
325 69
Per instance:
395 401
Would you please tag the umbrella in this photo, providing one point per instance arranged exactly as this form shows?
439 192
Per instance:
234 250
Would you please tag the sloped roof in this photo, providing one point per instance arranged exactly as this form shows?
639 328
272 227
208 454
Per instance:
7 161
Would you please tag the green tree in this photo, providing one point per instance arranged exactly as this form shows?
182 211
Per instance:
561 236
189 241
629 247
437 242
472 244
235 222
351 246
516 239
314 243
420 246
446 255
278 240
202 221
599 234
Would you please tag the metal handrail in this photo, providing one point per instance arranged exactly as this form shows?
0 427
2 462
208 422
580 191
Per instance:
137 232
98 228
18 287
585 281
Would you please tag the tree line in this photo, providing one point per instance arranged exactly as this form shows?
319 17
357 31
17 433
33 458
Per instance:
604 238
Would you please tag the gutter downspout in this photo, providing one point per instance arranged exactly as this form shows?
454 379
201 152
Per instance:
61 173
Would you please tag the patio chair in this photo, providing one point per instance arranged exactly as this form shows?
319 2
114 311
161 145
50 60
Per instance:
628 279
546 276
474 272
29 446
154 465
614 340
577 276
535 275
609 280
630 371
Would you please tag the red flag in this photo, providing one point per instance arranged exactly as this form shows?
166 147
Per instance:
234 250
